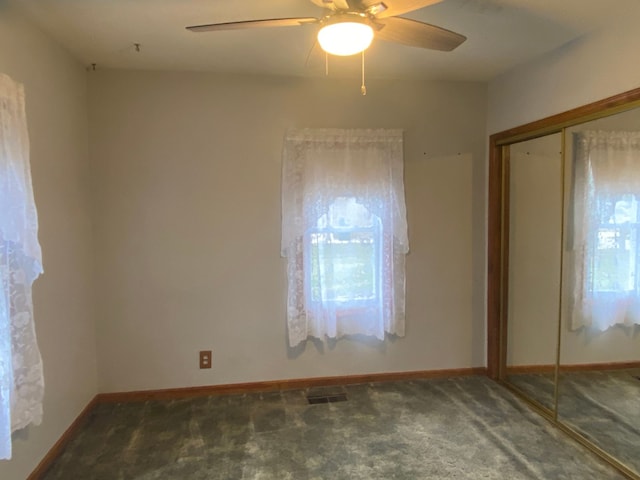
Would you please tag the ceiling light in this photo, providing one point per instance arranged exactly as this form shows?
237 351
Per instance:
346 36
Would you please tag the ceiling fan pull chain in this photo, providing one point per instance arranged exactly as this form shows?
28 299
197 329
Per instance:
326 64
363 88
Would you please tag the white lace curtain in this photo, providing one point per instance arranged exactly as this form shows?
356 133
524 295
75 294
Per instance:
326 174
604 278
21 379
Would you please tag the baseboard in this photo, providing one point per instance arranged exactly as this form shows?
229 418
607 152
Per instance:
579 367
239 388
55 451
529 369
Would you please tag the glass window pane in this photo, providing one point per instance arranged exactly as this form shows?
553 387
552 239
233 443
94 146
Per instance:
343 253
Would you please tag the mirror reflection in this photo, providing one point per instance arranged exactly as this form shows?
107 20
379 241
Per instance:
568 272
599 382
535 225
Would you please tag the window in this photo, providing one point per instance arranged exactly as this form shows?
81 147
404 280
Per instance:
343 272
614 259
344 233
21 379
605 275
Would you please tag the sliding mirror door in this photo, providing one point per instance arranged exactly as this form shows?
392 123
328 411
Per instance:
563 297
599 382
534 180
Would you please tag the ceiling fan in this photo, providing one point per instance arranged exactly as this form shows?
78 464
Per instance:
349 26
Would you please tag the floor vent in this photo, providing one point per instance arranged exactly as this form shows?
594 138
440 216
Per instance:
337 397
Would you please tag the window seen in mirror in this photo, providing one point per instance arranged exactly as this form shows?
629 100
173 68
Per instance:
615 259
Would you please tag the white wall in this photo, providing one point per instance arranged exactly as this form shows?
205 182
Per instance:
187 182
55 88
588 69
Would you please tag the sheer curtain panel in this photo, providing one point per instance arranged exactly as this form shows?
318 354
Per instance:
605 275
344 233
21 379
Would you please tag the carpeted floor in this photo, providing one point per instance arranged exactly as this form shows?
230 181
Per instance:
457 428
538 386
604 406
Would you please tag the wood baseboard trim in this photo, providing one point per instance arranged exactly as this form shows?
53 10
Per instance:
253 387
56 450
529 369
580 367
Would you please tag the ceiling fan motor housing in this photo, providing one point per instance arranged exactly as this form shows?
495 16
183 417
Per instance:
346 33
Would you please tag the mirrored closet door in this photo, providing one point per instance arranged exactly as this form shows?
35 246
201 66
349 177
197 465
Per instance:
564 272
535 225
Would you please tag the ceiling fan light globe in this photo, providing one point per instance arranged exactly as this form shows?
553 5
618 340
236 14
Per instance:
345 38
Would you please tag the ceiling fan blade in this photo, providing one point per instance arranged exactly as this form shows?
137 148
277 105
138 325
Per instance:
392 8
333 4
341 4
418 34
270 22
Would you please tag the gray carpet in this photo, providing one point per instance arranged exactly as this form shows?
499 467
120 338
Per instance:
538 386
604 406
458 428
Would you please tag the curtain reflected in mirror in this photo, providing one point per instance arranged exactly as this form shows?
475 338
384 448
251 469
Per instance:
534 238
599 381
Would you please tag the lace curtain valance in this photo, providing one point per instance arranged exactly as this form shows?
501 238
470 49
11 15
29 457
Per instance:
337 186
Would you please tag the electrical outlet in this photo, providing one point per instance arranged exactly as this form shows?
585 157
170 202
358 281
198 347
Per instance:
205 358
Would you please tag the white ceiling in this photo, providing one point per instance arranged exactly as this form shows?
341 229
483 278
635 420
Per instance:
501 34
